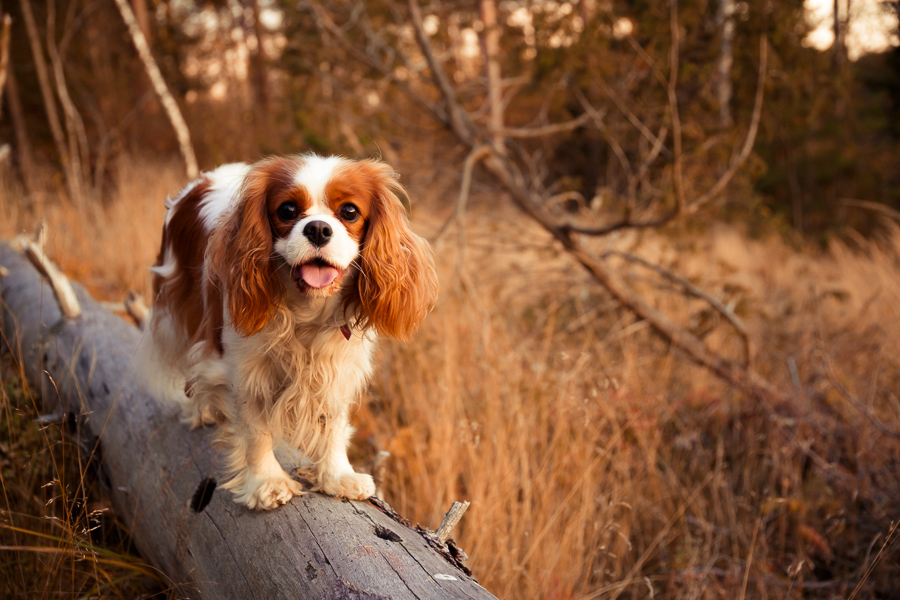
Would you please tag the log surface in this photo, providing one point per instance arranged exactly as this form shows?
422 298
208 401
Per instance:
313 547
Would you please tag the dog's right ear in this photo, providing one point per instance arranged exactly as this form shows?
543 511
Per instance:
241 250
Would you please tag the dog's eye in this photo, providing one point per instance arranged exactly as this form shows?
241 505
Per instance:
288 211
349 213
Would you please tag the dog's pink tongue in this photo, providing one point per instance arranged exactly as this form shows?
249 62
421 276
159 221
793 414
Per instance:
318 276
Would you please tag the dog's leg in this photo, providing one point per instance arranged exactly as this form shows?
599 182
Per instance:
259 481
334 474
206 383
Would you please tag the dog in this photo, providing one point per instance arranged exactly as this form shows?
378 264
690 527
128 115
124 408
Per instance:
271 285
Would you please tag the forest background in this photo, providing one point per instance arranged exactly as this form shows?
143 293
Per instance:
665 358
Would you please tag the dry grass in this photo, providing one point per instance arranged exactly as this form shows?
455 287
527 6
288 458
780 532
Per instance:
59 538
599 463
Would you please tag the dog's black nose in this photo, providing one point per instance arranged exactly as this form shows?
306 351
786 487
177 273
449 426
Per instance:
318 232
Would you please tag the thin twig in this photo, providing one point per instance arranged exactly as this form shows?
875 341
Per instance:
476 155
888 542
546 130
629 114
597 117
873 206
696 292
458 118
716 188
326 24
677 175
79 152
843 391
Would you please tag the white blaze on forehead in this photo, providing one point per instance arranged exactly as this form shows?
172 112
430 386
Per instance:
314 175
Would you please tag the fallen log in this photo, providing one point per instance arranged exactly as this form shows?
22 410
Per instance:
162 476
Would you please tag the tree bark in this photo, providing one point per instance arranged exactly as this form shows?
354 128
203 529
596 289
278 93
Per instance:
161 477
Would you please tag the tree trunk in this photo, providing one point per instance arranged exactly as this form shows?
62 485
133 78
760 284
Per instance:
840 45
492 67
725 19
161 477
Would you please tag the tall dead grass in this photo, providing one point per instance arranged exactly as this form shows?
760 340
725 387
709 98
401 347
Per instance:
599 463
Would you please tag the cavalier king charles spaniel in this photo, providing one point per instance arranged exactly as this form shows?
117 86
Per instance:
271 284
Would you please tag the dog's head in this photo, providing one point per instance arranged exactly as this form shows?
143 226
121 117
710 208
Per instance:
313 227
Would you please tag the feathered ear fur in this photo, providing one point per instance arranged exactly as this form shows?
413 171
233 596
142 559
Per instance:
240 254
397 282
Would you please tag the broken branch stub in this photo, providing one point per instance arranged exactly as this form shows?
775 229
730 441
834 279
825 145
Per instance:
62 289
451 519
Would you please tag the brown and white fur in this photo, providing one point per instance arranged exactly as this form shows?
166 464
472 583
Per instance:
270 286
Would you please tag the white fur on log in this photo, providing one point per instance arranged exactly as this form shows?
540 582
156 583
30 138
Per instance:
313 547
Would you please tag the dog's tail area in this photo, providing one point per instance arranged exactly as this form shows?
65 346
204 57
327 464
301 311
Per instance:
158 358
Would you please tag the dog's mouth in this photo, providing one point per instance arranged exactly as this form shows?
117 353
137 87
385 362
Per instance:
317 274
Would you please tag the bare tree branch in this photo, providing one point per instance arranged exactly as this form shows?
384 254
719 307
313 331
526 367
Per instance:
877 207
325 23
597 118
477 154
528 197
720 183
858 404
162 90
629 114
696 292
536 132
698 352
459 120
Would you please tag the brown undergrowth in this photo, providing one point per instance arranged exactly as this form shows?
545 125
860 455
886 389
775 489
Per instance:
59 537
599 463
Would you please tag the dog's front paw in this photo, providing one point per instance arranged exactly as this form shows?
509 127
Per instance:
355 486
266 494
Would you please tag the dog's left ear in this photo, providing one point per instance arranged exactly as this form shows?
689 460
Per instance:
397 281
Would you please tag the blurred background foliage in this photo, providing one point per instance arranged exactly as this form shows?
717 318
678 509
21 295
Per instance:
256 77
599 460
